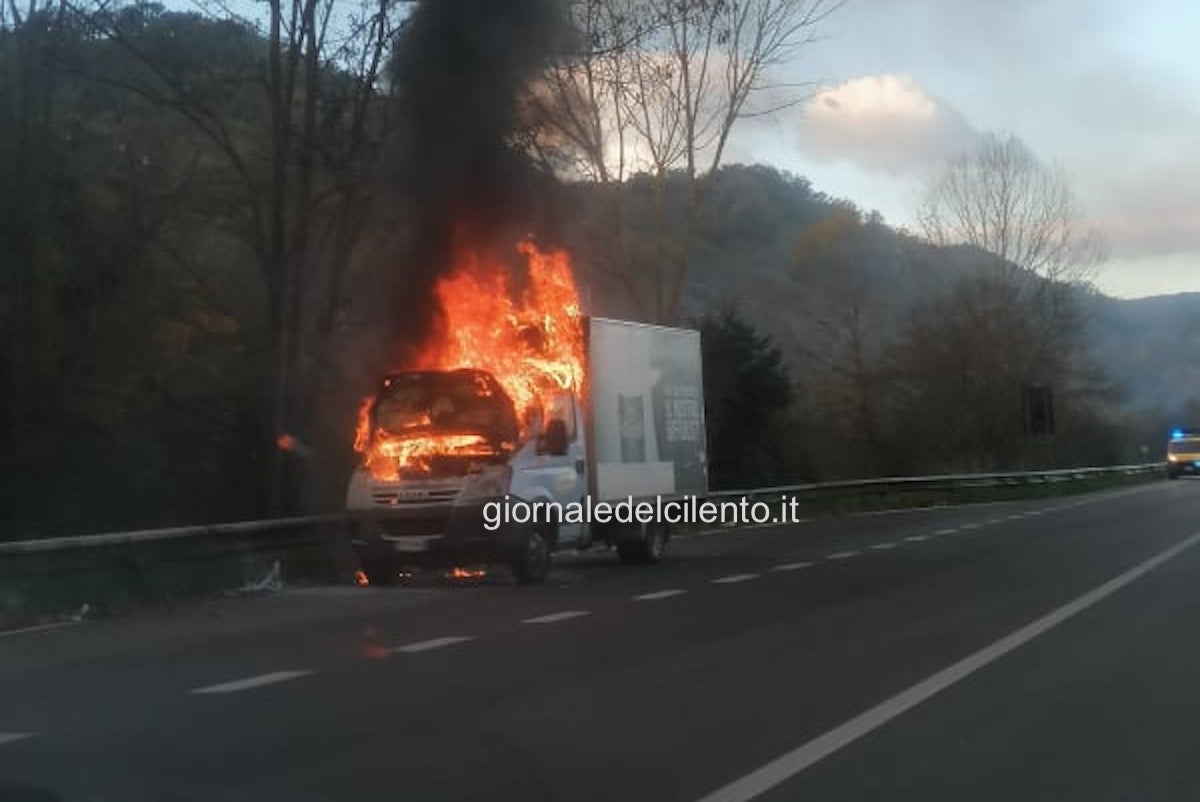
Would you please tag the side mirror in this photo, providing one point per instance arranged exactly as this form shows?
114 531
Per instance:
554 440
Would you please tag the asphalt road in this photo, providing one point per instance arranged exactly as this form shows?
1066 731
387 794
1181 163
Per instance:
1041 650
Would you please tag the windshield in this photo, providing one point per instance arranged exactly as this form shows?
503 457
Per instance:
445 402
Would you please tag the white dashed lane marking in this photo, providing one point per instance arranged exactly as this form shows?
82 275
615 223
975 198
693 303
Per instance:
884 546
917 538
250 683
556 617
841 555
660 594
965 527
947 531
13 737
791 566
733 579
432 643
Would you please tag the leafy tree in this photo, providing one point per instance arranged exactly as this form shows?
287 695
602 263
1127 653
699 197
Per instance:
747 393
845 356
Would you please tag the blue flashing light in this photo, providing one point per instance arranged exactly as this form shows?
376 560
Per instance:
1176 434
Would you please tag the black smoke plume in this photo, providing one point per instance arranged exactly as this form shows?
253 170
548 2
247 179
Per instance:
458 68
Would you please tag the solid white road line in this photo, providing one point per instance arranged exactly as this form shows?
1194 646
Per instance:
660 594
13 737
39 628
841 555
432 643
555 617
791 566
792 763
252 682
734 579
884 546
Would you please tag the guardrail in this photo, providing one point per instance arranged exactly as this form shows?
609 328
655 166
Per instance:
909 484
47 579
119 570
173 533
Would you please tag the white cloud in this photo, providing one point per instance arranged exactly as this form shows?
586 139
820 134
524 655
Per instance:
884 123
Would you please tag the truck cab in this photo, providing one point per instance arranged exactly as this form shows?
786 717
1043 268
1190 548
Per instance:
428 439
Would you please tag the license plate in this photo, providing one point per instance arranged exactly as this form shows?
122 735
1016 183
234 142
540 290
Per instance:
408 545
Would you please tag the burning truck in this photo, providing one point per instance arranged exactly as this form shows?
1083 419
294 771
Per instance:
517 417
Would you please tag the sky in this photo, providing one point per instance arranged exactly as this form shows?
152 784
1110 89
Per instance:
1106 90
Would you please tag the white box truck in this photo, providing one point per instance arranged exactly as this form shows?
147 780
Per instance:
473 484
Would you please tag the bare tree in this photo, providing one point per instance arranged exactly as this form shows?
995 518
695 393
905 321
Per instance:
33 34
658 86
577 123
1011 318
1001 199
302 179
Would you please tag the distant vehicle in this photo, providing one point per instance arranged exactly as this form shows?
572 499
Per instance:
1183 453
447 457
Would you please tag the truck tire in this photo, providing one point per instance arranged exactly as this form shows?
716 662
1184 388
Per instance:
531 562
648 549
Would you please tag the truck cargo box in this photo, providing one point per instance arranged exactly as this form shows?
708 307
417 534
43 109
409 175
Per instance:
645 392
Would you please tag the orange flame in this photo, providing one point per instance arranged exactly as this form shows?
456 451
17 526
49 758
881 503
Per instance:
532 345
530 340
459 572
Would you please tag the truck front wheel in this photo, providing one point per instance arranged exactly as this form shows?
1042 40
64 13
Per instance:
531 562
